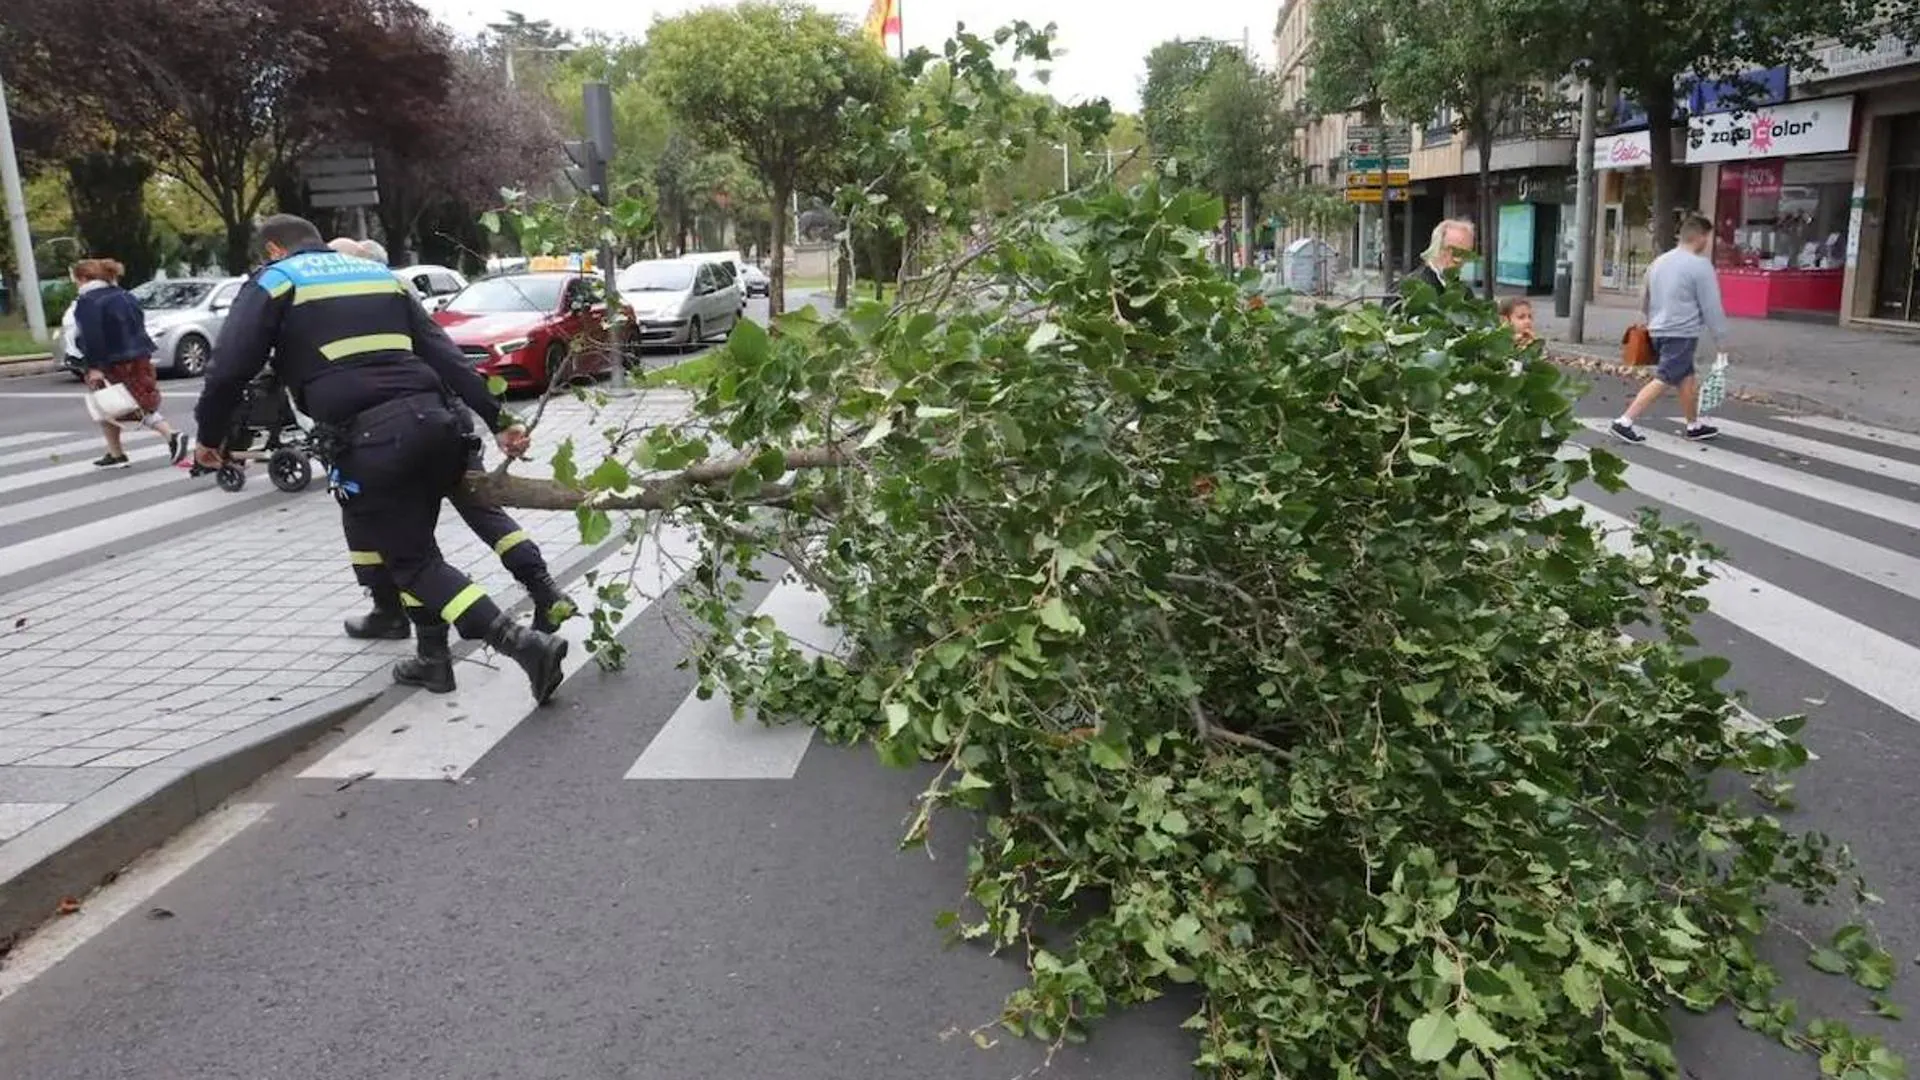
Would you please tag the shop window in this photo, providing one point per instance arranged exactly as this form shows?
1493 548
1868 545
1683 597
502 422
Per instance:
1781 215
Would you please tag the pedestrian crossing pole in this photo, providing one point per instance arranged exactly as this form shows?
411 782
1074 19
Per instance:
1583 216
17 225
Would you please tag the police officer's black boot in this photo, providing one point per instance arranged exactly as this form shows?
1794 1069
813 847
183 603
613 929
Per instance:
539 654
386 622
550 606
432 665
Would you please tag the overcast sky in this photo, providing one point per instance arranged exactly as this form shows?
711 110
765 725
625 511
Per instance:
1106 40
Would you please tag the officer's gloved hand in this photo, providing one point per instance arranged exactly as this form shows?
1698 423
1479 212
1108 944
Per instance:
514 441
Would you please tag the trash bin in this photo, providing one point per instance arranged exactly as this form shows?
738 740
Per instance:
1563 290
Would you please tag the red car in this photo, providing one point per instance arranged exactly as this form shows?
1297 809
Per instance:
522 327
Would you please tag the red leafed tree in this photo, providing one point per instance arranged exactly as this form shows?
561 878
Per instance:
227 94
486 137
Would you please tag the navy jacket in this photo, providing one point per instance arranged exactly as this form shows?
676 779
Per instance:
343 334
113 329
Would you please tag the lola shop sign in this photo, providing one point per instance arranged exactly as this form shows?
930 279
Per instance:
1823 126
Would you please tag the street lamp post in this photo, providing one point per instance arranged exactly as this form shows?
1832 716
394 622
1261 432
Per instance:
17 224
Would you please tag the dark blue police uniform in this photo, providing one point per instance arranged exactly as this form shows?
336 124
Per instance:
367 363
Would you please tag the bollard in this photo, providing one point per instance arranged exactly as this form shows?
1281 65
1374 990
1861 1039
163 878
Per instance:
1562 290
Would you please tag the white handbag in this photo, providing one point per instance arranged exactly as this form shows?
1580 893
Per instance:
111 403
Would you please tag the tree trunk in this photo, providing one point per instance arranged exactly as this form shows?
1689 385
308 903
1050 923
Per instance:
777 256
1489 220
238 255
842 275
1659 103
1246 229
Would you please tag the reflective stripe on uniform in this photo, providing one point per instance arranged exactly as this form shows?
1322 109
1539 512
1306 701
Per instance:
458 606
276 284
407 599
334 290
366 343
365 558
510 541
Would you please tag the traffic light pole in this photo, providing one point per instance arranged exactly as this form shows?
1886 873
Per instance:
17 225
591 158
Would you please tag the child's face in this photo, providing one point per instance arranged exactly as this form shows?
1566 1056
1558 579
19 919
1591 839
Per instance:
1522 322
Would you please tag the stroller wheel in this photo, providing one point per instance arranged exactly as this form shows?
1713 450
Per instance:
231 478
290 470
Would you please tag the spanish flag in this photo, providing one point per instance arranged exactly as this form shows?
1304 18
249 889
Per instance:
883 21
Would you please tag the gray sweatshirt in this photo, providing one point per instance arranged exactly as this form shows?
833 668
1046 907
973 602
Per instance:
1683 297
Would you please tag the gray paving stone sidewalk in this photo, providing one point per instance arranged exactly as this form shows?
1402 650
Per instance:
129 662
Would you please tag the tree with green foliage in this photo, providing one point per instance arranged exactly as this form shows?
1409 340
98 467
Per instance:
108 190
1169 105
768 79
1444 57
1245 135
1269 645
1647 47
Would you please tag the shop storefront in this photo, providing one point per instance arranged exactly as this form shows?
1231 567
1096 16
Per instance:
1623 161
1784 190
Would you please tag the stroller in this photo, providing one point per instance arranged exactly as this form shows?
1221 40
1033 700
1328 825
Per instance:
266 427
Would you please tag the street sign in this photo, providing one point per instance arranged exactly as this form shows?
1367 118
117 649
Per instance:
340 177
1397 176
1372 195
1370 142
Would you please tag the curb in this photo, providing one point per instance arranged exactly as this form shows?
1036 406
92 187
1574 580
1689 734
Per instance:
87 844
14 367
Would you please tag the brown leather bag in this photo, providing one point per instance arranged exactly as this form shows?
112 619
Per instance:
1636 348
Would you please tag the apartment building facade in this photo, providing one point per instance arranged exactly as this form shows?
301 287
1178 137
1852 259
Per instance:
1813 184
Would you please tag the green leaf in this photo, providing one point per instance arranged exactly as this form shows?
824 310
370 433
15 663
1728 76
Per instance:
496 386
770 464
609 475
1174 823
880 430
1043 335
565 472
1420 693
595 525
898 716
1432 1037
1055 616
1582 990
1474 1028
1828 961
490 221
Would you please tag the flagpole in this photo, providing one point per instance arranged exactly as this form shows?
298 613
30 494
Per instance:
900 16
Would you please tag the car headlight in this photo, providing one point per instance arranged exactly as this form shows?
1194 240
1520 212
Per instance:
508 348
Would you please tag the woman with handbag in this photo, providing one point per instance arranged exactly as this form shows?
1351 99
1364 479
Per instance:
117 352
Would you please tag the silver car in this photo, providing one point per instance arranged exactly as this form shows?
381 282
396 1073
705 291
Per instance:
184 317
679 303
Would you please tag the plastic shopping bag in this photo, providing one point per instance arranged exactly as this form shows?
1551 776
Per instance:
1713 388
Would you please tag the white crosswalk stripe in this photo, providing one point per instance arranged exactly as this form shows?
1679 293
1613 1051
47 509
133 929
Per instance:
68 452
428 737
703 741
1793 481
1904 440
1877 664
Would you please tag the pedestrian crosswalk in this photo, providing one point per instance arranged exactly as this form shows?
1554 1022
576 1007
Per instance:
1823 513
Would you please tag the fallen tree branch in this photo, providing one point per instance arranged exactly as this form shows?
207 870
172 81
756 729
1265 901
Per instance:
531 493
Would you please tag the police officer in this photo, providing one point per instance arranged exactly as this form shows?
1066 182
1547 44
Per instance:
369 365
516 548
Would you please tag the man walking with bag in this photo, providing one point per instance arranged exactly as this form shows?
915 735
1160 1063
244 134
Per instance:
1682 298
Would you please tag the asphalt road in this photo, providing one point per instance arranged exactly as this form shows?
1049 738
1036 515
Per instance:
559 908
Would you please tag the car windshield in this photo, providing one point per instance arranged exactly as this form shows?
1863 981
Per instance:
171 295
660 276
515 293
